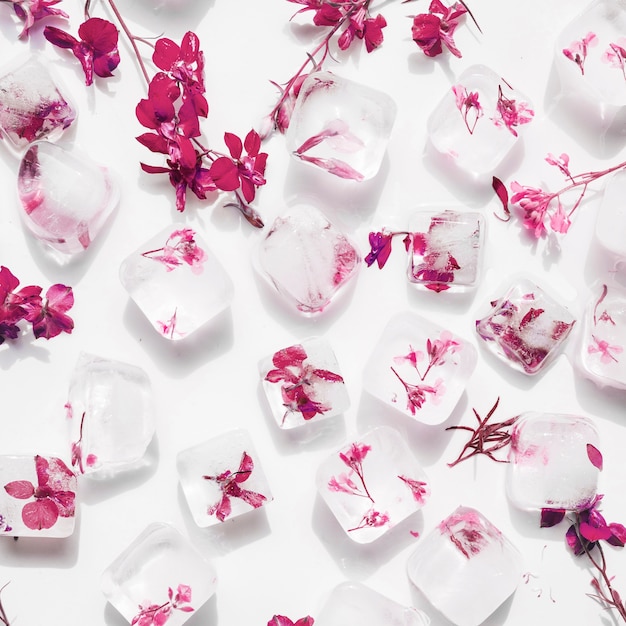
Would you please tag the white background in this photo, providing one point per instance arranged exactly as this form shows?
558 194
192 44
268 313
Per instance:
285 557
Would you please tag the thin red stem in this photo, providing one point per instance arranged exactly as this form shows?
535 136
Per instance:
3 616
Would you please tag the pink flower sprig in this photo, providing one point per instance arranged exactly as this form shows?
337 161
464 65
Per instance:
179 249
371 519
380 246
32 11
354 460
615 56
469 106
577 50
159 614
76 448
48 315
511 113
281 620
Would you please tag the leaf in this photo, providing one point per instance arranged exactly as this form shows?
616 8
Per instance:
595 456
502 193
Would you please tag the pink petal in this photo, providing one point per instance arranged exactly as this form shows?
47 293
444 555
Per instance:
60 38
595 456
21 489
40 515
234 145
165 53
224 174
100 34
252 143
551 517
502 193
334 166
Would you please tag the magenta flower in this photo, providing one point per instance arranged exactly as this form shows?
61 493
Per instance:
615 55
159 614
380 248
51 318
281 620
535 203
510 113
469 106
577 51
180 248
418 488
361 26
373 519
185 63
31 11
431 29
353 458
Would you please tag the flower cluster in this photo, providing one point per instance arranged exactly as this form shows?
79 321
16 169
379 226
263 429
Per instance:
159 614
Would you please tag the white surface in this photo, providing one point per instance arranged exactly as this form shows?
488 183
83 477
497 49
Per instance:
285 557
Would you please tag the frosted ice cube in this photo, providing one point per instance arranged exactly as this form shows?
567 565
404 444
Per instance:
159 577
466 568
222 478
176 281
478 121
419 368
354 604
526 327
307 259
65 196
37 497
341 126
110 412
372 484
610 229
445 250
553 462
601 352
303 382
32 106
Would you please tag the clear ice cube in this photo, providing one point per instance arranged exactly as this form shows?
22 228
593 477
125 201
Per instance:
222 478
354 604
610 231
553 462
176 281
159 577
478 121
340 126
602 342
526 327
32 106
111 415
37 497
66 198
372 484
307 259
445 250
303 382
466 568
419 368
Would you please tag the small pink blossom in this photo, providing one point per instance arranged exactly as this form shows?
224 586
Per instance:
615 55
180 248
31 11
469 106
372 519
418 488
577 51
511 113
605 349
535 203
159 614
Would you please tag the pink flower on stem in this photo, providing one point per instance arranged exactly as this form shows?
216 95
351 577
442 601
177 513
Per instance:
431 30
469 106
96 50
577 51
185 63
615 55
361 26
605 349
281 620
31 11
510 113
168 328
418 488
353 458
372 519
180 248
159 614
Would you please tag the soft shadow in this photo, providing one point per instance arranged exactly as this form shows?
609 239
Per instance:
607 402
420 64
112 617
510 375
527 524
24 347
428 301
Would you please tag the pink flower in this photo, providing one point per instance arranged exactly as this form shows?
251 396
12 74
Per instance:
180 247
535 203
469 106
380 244
577 51
31 11
373 519
431 29
605 349
159 614
363 27
281 620
51 319
418 488
185 63
510 113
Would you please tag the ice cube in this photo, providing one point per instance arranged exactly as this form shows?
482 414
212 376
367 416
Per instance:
445 250
466 568
307 259
553 462
303 382
610 229
111 415
159 577
419 368
176 281
478 121
372 484
222 478
65 196
526 327
32 106
354 604
341 126
37 497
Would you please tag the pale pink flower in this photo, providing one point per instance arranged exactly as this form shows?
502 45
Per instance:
605 349
577 51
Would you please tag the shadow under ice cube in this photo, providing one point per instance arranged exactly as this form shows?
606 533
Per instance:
610 230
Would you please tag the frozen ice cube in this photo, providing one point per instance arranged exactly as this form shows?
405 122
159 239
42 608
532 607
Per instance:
466 568
478 121
526 327
65 196
354 604
303 382
307 259
37 497
419 368
176 281
553 462
372 484
159 577
341 126
445 250
601 352
611 218
222 478
110 412
32 106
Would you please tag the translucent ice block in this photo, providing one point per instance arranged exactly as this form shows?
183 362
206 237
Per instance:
372 484
526 327
111 415
341 126
32 106
176 281
445 250
307 259
354 604
611 218
303 382
222 478
465 567
66 198
553 462
37 497
478 121
601 353
159 578
419 368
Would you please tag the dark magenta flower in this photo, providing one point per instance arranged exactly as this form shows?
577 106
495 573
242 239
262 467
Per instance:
431 30
185 63
50 318
31 11
281 620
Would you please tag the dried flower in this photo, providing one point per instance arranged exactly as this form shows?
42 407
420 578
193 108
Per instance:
577 51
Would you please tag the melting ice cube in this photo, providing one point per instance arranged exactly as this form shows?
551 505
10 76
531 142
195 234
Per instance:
466 568
611 218
65 196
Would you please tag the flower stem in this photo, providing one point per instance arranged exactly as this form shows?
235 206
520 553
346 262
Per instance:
3 616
